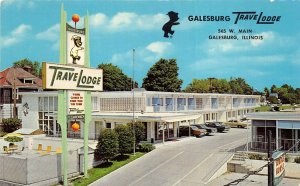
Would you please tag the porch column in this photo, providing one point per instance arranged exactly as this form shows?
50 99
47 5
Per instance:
163 132
178 128
276 134
296 139
189 128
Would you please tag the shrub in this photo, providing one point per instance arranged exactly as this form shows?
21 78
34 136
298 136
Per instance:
146 147
287 158
297 159
139 129
13 139
125 138
108 145
11 124
256 157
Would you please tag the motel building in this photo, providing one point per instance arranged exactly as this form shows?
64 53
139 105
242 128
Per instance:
161 112
285 128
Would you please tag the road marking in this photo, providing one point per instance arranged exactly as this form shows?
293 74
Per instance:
156 168
193 169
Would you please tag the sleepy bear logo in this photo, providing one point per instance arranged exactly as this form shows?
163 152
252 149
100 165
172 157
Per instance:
74 53
167 28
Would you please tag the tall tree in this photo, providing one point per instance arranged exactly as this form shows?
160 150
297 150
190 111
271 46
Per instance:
30 66
239 86
163 76
273 89
114 79
212 85
198 86
266 92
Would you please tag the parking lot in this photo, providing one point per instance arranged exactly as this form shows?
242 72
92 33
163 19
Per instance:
192 161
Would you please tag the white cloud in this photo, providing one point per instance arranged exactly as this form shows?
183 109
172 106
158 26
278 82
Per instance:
18 3
267 36
159 47
98 20
51 34
16 36
147 54
127 21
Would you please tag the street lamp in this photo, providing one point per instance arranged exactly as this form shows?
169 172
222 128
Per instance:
133 101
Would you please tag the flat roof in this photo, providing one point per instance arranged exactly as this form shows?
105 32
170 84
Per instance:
163 117
274 116
142 93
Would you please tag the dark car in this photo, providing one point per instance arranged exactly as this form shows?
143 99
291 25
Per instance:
208 129
218 125
195 131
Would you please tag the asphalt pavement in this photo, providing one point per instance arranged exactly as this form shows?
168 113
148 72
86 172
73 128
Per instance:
192 161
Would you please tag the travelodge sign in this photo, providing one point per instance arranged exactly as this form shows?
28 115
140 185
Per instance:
66 77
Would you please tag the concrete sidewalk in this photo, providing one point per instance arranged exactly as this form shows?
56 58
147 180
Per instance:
292 170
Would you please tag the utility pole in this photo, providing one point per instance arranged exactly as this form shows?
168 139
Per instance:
133 102
270 165
14 96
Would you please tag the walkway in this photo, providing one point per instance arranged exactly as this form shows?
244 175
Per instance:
187 162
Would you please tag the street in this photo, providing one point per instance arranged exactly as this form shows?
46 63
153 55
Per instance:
192 161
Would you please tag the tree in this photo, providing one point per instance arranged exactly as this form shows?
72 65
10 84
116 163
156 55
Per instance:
114 79
163 76
32 67
11 124
139 129
266 92
125 139
212 85
272 89
198 86
239 86
108 145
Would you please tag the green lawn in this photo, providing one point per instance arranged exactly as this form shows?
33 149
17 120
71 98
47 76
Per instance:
268 108
97 173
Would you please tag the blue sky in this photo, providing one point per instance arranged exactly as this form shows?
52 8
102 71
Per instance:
30 29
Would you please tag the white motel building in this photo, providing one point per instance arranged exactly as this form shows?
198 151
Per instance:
161 112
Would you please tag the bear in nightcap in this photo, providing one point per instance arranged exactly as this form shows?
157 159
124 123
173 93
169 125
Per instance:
167 27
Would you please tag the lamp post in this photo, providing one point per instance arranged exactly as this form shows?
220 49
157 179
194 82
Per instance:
133 101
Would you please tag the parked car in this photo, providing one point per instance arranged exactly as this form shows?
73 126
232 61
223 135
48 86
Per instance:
218 125
235 123
195 131
208 129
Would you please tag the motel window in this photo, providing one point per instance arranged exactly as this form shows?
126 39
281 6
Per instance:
94 103
148 102
108 125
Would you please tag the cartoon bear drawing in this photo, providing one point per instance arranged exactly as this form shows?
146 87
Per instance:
167 28
77 46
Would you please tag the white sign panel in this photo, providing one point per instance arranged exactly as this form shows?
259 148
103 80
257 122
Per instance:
75 102
75 45
66 77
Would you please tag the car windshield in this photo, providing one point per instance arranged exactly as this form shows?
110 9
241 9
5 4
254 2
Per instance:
194 127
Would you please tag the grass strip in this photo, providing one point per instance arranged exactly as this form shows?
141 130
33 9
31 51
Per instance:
104 169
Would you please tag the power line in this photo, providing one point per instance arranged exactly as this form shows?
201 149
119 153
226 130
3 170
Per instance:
237 181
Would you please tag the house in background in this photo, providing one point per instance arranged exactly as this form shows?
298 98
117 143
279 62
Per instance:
23 81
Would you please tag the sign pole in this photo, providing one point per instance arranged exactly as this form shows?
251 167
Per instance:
62 98
270 165
88 104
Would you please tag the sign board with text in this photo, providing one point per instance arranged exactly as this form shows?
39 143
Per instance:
278 169
75 102
66 77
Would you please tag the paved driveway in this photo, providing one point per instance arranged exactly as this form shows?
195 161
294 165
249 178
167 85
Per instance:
188 162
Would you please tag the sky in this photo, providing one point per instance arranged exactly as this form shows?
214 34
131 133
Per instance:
30 29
